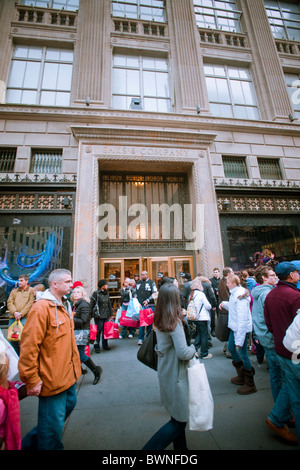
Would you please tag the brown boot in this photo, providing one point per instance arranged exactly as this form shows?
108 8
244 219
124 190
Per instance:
239 379
249 386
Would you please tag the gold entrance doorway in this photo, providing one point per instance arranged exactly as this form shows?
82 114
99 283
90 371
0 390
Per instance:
115 270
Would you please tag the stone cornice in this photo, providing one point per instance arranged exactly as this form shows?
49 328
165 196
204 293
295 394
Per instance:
84 115
152 137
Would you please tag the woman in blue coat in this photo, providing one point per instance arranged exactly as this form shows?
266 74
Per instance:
173 360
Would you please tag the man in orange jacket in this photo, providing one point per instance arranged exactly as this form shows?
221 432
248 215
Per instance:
49 363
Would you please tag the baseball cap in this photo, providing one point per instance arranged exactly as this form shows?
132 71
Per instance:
285 268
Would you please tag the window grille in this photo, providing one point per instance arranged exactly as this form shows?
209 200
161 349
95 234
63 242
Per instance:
7 159
235 167
46 161
269 168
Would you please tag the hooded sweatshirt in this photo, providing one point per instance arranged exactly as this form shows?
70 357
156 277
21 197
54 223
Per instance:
48 348
259 293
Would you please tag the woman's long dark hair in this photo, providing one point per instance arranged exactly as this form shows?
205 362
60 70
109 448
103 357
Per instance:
168 309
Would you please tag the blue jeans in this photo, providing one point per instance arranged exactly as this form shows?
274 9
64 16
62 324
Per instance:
292 378
201 340
142 328
52 413
276 374
173 431
242 355
82 355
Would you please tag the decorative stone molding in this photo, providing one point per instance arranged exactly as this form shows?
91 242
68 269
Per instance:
115 149
258 204
37 201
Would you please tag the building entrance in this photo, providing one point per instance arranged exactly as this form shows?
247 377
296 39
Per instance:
115 270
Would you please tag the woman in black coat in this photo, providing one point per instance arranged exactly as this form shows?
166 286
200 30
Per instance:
82 322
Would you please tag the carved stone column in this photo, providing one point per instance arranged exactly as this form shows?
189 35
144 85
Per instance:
270 81
90 47
185 45
7 11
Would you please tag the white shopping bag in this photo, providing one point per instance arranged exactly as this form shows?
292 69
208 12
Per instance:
201 403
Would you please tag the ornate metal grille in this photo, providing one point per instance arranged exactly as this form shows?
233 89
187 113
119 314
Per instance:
269 168
7 160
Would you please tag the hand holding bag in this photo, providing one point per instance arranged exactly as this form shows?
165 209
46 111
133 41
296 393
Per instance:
14 331
146 317
133 309
147 354
201 404
111 330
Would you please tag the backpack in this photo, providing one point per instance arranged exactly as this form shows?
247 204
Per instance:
192 313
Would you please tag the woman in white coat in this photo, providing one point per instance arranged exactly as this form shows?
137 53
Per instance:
203 307
240 325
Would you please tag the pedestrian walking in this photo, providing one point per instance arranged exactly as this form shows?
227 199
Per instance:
49 363
240 325
173 360
280 309
203 308
281 412
145 288
101 311
81 308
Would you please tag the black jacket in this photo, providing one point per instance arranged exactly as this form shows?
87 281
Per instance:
125 297
82 315
102 299
144 291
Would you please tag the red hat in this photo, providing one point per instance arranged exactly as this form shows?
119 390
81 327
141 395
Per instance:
77 284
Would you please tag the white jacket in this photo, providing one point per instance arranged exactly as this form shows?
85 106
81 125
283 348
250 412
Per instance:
292 336
200 301
239 315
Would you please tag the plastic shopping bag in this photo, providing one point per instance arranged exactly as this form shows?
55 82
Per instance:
111 330
14 331
133 309
125 321
93 331
7 348
146 316
201 404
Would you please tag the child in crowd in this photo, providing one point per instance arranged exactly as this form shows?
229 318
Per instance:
10 393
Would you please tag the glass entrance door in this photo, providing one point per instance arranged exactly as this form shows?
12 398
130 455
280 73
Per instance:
116 270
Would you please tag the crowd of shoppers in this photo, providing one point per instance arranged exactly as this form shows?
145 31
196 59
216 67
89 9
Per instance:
261 304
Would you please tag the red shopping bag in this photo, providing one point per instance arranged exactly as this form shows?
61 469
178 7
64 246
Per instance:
111 330
146 316
93 332
130 322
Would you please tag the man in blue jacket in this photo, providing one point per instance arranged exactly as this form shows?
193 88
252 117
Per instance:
281 412
280 309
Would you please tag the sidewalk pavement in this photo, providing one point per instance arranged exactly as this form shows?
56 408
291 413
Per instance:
124 410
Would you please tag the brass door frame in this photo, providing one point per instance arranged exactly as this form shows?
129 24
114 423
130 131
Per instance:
143 260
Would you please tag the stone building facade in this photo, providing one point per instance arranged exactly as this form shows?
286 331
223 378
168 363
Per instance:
111 109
